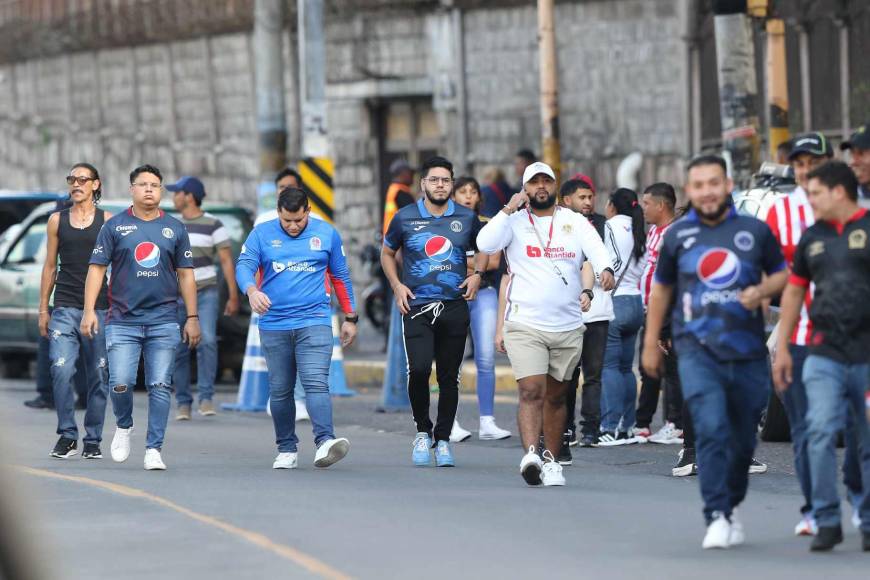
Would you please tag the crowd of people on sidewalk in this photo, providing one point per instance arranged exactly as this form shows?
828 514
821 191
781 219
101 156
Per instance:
531 271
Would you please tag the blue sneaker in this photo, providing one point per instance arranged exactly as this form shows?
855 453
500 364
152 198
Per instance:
421 454
443 455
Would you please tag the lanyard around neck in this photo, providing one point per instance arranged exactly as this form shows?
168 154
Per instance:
546 248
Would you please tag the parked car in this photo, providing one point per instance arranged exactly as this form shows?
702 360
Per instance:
17 205
21 268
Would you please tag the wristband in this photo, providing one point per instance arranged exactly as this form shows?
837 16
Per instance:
193 316
352 319
478 272
589 292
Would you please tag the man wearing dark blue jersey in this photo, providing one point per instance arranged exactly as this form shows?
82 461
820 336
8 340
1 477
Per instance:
151 260
718 267
435 236
297 257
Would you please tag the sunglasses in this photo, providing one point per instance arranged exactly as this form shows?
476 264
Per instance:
70 179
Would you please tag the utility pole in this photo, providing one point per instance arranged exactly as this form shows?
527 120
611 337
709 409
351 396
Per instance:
269 17
777 85
738 89
316 167
549 87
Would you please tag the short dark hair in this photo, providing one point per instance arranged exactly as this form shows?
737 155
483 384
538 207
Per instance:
663 191
467 180
433 162
98 192
292 199
702 160
528 155
289 171
834 173
145 169
572 185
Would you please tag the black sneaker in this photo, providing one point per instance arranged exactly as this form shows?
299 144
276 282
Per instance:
865 541
39 402
572 439
828 537
686 465
757 467
564 456
589 440
92 451
65 448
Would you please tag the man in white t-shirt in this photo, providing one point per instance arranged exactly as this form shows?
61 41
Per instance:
545 248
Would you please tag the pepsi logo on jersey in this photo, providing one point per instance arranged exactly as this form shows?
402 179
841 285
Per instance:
438 249
719 269
147 255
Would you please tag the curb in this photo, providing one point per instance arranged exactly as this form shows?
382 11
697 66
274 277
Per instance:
361 373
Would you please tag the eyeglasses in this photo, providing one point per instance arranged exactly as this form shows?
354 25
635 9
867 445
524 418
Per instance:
143 185
80 179
437 180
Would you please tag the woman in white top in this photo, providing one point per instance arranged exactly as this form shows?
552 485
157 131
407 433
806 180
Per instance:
625 239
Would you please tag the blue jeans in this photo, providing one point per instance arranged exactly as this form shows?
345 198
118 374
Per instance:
66 343
484 312
834 391
206 350
125 343
725 401
619 383
307 351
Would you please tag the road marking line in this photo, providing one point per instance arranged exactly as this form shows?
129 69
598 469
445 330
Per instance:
310 563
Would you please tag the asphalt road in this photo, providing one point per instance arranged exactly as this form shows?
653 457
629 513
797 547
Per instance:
220 511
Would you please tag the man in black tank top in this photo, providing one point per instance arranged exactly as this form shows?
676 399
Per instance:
71 237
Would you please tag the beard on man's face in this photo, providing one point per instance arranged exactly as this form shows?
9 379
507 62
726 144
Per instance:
715 214
435 200
550 201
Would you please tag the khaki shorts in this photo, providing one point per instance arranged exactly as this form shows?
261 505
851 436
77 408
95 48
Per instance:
536 352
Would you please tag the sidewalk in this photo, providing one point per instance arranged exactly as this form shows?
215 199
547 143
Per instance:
368 371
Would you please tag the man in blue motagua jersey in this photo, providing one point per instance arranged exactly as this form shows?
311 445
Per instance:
717 266
295 254
435 237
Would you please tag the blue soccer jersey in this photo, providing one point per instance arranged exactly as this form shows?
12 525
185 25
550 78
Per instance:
144 255
296 273
434 249
708 267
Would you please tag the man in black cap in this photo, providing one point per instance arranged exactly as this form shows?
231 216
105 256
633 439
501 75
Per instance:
207 238
808 151
859 148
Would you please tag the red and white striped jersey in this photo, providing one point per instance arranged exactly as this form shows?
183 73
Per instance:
653 244
789 217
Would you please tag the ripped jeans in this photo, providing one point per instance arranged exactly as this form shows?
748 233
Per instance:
66 344
124 343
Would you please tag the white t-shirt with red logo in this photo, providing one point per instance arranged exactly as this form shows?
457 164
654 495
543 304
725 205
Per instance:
544 256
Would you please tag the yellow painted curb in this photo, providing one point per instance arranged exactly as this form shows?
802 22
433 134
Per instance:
364 373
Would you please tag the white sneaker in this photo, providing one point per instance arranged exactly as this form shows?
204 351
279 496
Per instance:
531 467
285 461
458 434
331 451
489 431
737 535
718 533
806 527
667 435
302 412
552 472
153 460
121 444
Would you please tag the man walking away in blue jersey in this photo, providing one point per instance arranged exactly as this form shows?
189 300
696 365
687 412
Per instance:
435 236
294 253
721 266
151 261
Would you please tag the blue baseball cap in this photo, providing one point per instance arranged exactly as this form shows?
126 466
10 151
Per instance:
190 185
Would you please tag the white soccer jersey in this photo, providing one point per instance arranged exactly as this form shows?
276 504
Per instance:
544 257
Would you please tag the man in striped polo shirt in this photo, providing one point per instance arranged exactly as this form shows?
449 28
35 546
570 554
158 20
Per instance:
208 238
789 217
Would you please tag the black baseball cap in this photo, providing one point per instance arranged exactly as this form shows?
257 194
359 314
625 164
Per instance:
812 143
860 139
